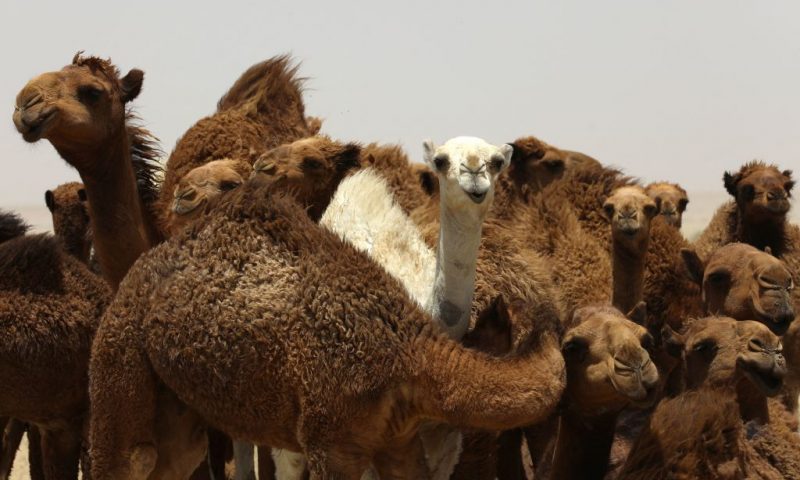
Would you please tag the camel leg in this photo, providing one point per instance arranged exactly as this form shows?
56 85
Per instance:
243 458
13 430
403 462
509 456
336 465
35 453
289 465
266 465
61 453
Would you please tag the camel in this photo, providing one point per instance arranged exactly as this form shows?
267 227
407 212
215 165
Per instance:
201 185
671 200
67 204
629 210
734 363
81 110
50 304
262 110
300 288
536 164
363 213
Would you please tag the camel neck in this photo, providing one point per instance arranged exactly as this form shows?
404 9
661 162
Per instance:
456 259
752 403
628 275
119 229
583 445
762 233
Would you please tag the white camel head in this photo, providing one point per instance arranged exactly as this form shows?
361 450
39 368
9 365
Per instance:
467 168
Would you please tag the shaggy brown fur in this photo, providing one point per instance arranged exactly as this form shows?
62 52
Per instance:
67 204
81 110
49 309
262 110
337 368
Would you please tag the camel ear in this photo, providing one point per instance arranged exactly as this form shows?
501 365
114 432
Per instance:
349 157
731 181
428 151
638 314
788 186
507 151
574 349
49 200
694 265
131 85
82 195
429 182
768 250
673 342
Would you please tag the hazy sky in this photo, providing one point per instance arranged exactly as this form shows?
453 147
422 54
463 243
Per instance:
667 90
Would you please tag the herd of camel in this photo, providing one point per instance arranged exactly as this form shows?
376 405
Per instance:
277 303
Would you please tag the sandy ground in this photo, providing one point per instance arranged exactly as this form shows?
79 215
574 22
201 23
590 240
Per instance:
701 208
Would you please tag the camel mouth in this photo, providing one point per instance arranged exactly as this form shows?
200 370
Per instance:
477 197
35 130
778 207
768 381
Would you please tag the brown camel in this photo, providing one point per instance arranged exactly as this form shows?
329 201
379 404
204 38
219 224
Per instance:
733 363
536 164
68 206
50 304
629 210
262 110
288 387
671 200
202 184
81 111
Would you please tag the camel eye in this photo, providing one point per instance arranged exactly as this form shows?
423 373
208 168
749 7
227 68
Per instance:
648 342
747 192
682 203
705 347
554 165
496 164
441 161
310 163
609 210
89 94
650 210
719 277
227 185
575 349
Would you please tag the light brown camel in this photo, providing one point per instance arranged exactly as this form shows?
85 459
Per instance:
50 304
734 364
81 110
609 368
296 291
671 200
202 184
262 110
68 206
629 211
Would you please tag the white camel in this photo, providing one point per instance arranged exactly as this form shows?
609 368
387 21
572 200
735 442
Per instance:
363 213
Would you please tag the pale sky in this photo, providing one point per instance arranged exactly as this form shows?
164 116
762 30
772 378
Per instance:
673 90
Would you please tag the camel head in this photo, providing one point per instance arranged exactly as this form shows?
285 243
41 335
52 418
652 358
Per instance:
202 184
467 168
311 168
671 201
69 208
720 351
745 283
761 191
78 107
535 163
629 210
608 360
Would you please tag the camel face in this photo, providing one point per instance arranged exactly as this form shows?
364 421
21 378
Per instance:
310 168
77 106
671 201
467 168
761 191
70 210
536 163
630 209
721 351
202 184
608 361
743 282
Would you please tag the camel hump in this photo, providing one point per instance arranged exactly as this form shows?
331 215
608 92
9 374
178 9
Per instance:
269 85
11 226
